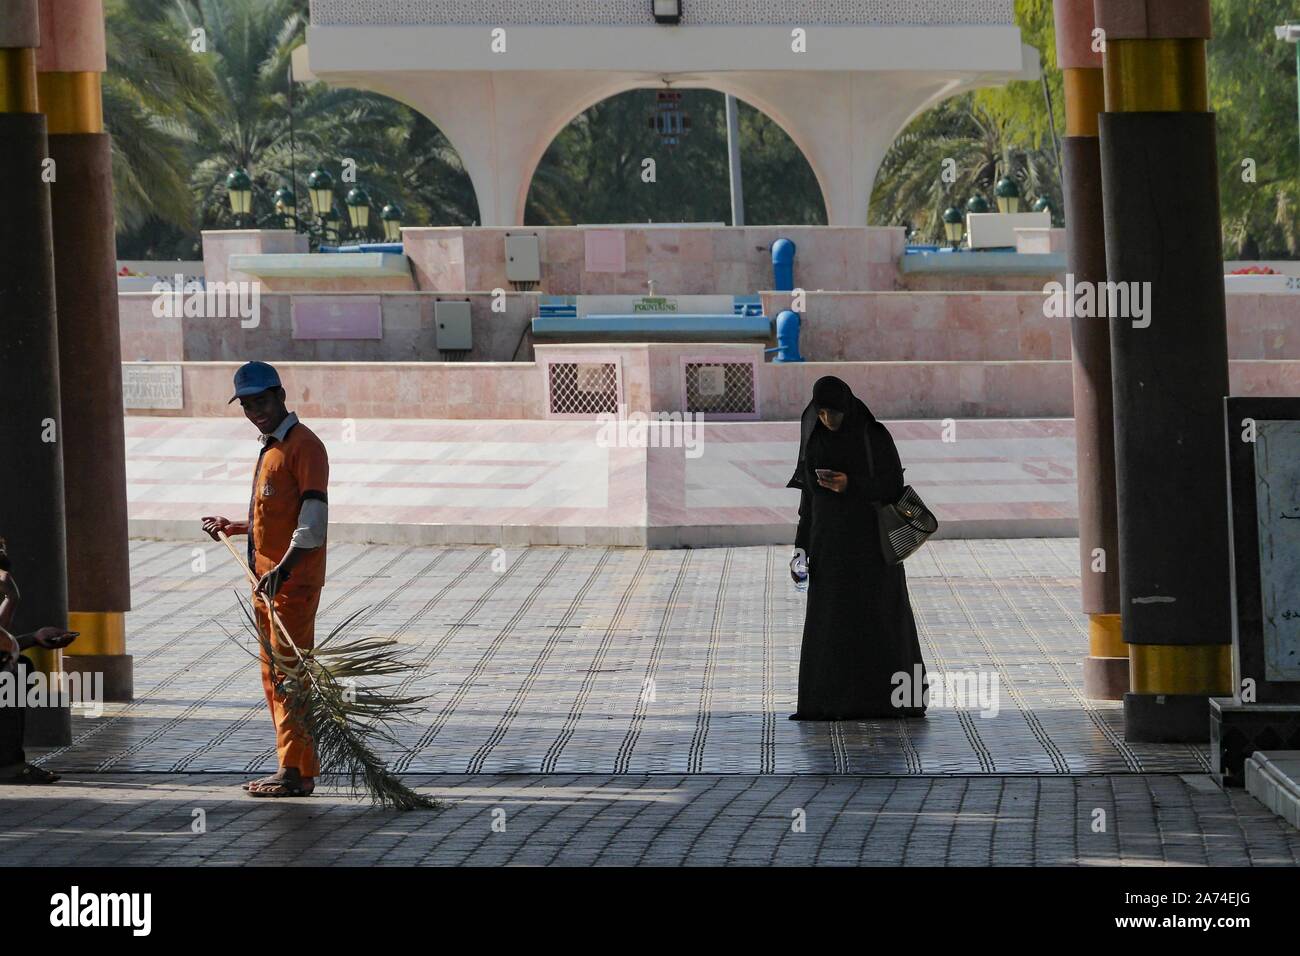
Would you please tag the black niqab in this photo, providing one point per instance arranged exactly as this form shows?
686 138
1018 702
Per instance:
859 631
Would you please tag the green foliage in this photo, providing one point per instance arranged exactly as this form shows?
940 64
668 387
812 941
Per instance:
151 84
181 119
987 134
593 170
948 155
1253 92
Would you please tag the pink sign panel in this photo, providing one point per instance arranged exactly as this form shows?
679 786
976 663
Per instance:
606 250
337 317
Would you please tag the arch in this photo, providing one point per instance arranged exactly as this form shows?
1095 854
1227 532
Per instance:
502 122
550 132
956 88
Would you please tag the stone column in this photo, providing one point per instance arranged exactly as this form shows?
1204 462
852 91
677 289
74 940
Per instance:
69 66
1105 670
31 467
1160 187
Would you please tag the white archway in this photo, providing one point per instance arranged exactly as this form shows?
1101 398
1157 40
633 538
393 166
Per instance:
549 136
501 95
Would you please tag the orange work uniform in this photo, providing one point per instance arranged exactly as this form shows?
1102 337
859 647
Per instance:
293 467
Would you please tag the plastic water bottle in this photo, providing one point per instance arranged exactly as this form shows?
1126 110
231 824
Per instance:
799 570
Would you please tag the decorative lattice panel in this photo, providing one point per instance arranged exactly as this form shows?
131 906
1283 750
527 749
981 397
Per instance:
720 389
582 388
637 12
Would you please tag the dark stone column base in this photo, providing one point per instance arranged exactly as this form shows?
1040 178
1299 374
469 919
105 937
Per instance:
1167 718
1237 730
1105 678
119 674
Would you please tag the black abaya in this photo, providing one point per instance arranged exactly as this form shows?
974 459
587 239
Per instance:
859 630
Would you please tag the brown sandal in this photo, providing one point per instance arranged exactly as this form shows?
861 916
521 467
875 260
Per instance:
284 784
29 774
254 784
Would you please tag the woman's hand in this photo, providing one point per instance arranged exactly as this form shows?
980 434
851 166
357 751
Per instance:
799 566
836 481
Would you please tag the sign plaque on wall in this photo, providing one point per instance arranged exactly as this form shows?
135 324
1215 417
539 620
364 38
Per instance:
150 386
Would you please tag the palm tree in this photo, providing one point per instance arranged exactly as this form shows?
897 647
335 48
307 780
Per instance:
913 188
150 88
246 121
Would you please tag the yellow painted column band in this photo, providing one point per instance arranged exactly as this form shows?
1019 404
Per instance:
102 632
1181 669
46 661
1106 636
1156 76
71 102
1085 97
18 80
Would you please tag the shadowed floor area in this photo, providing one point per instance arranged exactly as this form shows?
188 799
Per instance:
624 661
657 819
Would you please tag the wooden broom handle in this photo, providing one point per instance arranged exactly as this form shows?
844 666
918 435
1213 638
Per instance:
266 599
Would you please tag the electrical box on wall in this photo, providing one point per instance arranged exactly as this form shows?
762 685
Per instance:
452 327
523 259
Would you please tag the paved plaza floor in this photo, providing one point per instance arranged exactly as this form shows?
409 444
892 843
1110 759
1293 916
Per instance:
621 705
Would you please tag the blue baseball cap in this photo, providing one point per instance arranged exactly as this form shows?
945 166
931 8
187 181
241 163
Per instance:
253 378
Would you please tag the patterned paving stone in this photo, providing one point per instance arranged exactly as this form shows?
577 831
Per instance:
622 661
659 819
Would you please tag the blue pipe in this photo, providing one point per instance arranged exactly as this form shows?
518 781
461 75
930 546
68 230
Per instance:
366 247
783 251
787 338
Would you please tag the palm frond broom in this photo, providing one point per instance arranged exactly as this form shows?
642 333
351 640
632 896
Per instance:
323 691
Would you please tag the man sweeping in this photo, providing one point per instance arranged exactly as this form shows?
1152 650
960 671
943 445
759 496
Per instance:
287 520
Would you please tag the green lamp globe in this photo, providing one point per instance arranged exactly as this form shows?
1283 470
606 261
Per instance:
284 200
320 188
391 216
1008 192
239 188
954 224
358 203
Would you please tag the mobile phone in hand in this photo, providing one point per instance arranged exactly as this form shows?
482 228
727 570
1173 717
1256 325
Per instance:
63 640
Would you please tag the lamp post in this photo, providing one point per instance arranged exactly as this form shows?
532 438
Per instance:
286 205
239 190
358 203
954 225
330 224
1008 195
1290 33
320 190
391 217
977 204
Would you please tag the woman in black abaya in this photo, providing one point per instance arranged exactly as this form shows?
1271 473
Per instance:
859 630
